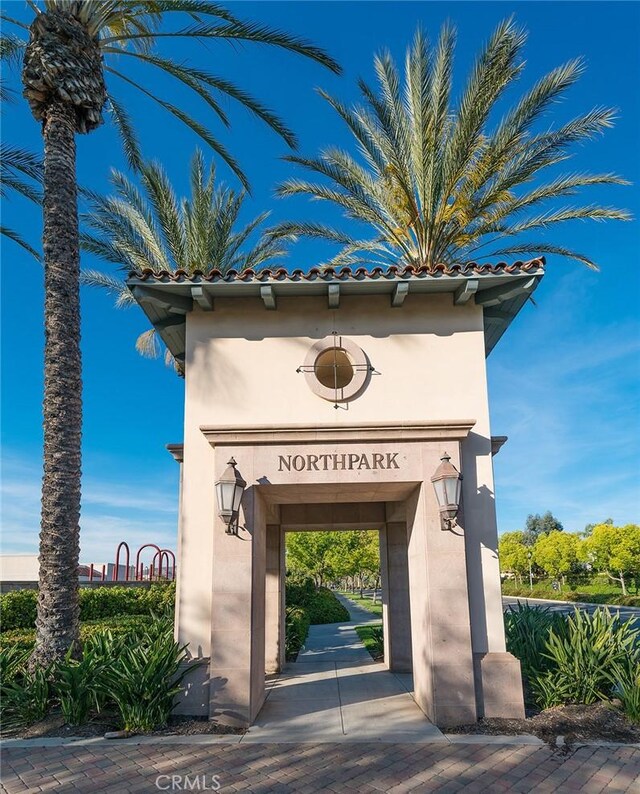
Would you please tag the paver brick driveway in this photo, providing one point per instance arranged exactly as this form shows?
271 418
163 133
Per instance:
308 768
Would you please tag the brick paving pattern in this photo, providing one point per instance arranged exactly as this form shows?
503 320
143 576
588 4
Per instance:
307 769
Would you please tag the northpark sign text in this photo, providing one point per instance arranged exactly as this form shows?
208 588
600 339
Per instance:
337 462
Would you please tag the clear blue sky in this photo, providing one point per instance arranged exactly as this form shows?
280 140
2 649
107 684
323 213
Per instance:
564 379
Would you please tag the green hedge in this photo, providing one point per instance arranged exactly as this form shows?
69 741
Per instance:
320 603
296 628
18 607
120 625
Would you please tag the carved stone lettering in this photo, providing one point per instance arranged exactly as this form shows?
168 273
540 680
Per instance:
352 461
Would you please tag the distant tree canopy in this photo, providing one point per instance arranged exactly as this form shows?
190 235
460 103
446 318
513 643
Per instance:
608 550
614 551
514 554
329 556
538 525
590 527
556 553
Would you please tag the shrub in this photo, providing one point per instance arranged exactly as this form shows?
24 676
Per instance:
527 631
320 603
78 682
625 676
581 658
144 680
123 625
585 651
18 608
24 700
296 628
13 663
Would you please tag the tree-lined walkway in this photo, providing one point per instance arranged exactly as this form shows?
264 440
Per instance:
336 692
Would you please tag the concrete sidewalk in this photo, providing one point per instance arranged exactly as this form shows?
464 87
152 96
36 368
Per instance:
336 692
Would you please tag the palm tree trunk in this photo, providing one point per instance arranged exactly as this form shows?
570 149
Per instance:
57 621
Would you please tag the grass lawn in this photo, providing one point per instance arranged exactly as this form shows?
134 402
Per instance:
365 603
370 643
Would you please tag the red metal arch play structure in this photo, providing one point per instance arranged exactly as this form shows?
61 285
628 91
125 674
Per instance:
162 565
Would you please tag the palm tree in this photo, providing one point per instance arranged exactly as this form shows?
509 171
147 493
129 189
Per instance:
435 183
152 228
72 44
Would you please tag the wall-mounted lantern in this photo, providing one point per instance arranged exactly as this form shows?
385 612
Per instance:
229 490
447 483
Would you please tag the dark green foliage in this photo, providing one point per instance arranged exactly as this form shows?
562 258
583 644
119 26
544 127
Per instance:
25 699
320 603
13 663
626 677
135 673
145 678
18 608
307 604
78 683
296 628
583 652
373 638
527 629
540 525
580 658
325 608
123 625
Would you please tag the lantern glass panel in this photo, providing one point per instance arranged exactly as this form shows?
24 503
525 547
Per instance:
225 492
438 486
237 497
452 490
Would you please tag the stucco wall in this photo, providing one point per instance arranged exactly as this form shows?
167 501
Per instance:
241 370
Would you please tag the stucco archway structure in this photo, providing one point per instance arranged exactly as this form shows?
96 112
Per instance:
344 460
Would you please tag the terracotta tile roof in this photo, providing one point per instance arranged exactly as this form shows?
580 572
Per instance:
341 274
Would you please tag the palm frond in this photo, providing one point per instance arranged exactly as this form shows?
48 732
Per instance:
12 234
127 133
147 225
435 183
194 125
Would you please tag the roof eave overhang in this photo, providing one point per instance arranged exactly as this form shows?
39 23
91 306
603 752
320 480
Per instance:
166 299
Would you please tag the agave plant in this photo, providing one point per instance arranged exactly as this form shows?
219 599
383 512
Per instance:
438 183
150 227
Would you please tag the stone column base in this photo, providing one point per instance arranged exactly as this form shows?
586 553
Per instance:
498 685
193 700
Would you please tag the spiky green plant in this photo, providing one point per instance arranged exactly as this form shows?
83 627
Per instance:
145 678
150 227
440 183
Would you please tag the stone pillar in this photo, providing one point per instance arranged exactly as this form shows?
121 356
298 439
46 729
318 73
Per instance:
440 627
497 673
396 613
274 613
238 610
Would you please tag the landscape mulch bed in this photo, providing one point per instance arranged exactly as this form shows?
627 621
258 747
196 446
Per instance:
54 726
599 722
